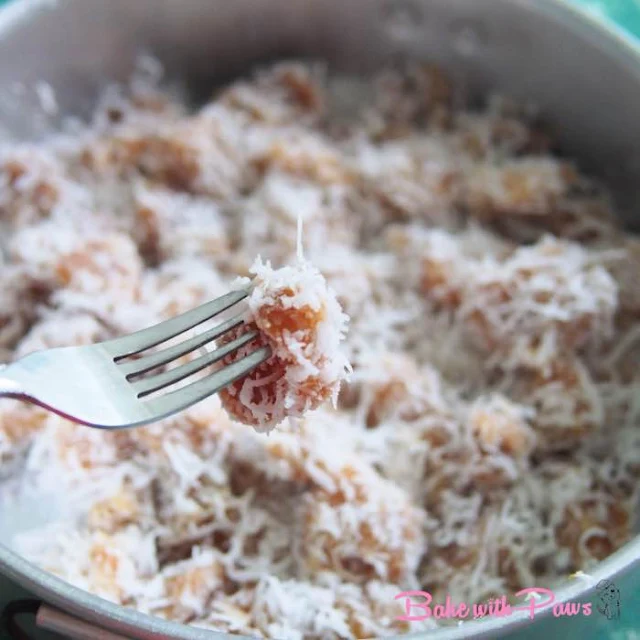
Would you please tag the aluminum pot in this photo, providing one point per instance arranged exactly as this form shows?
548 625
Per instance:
585 78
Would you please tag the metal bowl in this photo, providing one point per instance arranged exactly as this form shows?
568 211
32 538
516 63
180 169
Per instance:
583 76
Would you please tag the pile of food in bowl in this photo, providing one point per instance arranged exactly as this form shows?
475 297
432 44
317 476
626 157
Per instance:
488 436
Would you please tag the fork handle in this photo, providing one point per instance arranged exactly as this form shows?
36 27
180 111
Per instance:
9 388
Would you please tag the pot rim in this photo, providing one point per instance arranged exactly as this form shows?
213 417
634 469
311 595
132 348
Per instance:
625 49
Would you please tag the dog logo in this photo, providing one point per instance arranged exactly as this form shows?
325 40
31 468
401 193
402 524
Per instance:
608 599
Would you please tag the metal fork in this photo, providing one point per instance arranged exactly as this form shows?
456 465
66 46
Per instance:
102 386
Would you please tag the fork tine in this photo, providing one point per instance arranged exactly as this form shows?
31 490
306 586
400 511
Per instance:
187 396
142 365
153 383
146 338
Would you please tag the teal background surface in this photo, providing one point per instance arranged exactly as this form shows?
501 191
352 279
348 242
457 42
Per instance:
625 14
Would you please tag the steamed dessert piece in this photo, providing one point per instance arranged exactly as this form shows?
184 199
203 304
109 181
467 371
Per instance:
300 319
